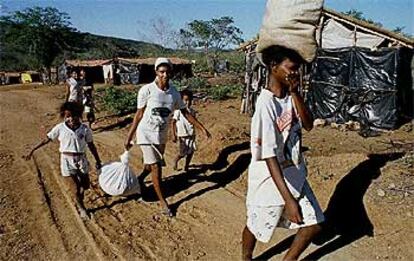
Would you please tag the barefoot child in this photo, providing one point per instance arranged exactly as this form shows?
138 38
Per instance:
184 130
73 136
89 104
278 194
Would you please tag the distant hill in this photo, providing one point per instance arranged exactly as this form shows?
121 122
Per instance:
14 56
103 47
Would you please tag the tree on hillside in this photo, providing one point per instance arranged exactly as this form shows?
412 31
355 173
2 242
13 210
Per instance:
216 34
212 36
41 34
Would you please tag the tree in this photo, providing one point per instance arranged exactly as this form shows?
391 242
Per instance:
158 30
216 34
40 33
213 36
184 40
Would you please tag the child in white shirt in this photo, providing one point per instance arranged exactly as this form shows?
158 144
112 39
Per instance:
74 92
185 132
278 194
74 137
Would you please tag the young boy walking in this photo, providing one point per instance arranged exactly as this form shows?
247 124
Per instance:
184 131
278 194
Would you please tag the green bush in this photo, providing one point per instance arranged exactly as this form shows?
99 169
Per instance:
222 92
193 83
119 101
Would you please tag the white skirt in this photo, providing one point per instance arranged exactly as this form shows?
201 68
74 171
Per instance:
262 221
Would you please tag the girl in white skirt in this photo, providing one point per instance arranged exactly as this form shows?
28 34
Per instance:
278 194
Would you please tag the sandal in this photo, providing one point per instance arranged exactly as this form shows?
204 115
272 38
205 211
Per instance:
83 213
167 212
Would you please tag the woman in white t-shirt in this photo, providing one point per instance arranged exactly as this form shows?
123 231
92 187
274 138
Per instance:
155 103
73 137
278 194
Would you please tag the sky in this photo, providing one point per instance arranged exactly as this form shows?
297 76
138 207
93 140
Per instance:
130 18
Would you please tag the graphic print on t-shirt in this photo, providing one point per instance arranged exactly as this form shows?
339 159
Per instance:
159 117
284 121
287 123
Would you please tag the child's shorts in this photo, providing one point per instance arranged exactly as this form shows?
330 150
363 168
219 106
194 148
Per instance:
187 145
262 221
153 153
73 165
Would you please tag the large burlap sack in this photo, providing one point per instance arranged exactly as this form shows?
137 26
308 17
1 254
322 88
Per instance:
291 24
118 179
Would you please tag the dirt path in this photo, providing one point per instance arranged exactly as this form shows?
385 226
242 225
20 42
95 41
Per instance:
38 220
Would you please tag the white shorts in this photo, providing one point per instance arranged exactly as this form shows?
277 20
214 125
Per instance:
72 165
153 153
187 145
262 221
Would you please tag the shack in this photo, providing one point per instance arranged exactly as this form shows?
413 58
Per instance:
361 72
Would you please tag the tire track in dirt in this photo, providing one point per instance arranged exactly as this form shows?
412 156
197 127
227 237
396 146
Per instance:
94 237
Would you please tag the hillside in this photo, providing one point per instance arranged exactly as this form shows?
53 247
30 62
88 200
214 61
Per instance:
97 46
16 55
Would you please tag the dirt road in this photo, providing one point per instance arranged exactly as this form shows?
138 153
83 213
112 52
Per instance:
362 196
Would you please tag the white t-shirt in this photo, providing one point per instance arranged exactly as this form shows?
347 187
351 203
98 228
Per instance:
71 140
75 91
153 127
184 127
275 131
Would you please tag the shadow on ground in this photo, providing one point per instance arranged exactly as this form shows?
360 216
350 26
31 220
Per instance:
183 181
346 217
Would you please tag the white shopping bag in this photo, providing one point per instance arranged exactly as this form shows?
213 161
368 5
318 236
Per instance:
118 179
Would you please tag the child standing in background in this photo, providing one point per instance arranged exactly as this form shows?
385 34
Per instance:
89 104
184 130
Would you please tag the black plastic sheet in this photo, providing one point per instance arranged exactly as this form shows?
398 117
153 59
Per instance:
355 84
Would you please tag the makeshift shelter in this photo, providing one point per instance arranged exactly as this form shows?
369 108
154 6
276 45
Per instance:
93 69
182 68
123 70
12 78
361 72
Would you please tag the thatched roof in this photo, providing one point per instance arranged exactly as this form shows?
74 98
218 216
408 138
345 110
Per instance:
151 61
87 63
146 61
12 74
362 25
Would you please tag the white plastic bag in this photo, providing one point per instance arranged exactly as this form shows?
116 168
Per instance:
291 24
118 179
